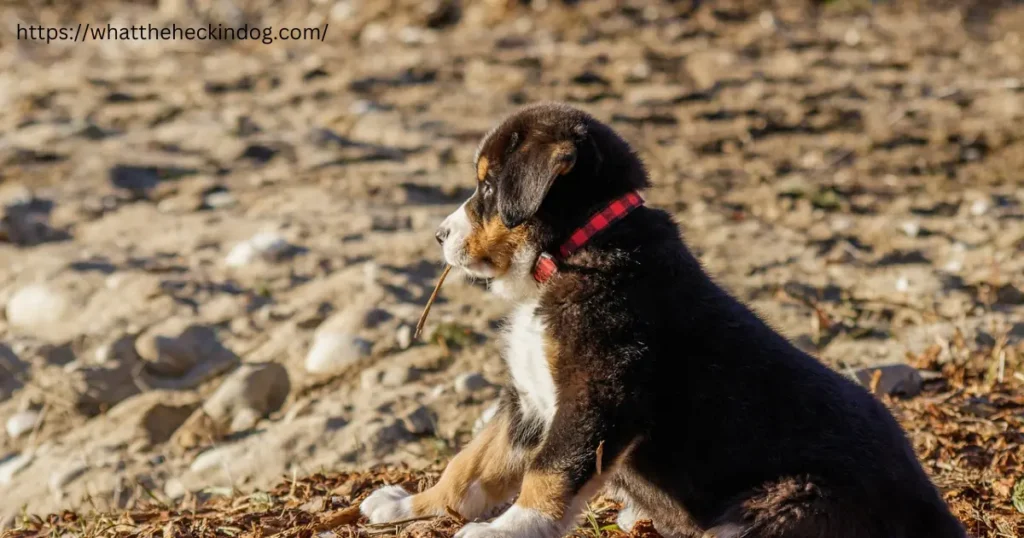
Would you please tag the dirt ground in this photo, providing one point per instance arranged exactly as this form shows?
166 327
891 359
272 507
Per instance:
212 253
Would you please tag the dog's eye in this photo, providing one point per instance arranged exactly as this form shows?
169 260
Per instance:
486 189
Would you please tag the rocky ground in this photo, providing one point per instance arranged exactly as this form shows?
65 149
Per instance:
212 254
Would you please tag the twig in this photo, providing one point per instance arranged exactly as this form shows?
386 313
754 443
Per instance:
430 302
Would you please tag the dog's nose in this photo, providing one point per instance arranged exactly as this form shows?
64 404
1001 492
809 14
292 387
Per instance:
441 235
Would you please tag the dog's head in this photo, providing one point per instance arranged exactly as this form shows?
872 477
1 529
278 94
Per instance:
538 175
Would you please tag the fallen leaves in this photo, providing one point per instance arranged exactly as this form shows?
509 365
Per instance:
967 428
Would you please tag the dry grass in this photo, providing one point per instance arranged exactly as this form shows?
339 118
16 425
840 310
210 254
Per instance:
966 426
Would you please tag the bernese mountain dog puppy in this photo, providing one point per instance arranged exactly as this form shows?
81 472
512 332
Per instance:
632 370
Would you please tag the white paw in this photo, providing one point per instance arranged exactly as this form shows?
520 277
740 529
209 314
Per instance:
627 518
482 530
516 522
389 503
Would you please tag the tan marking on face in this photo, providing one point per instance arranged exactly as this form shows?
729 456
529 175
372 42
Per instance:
489 461
563 158
545 492
494 243
481 168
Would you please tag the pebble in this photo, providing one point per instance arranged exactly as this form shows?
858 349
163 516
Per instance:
248 394
267 246
420 421
896 379
12 466
63 477
979 207
469 383
34 305
213 458
26 222
382 437
175 346
117 351
174 489
396 376
220 199
22 422
11 365
403 337
332 351
910 228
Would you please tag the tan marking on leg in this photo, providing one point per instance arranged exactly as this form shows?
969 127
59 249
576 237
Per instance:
545 492
495 243
489 461
481 168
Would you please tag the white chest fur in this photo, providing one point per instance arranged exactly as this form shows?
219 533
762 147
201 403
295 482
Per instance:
528 363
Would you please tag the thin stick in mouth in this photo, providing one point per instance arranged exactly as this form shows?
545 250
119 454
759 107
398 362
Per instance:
430 302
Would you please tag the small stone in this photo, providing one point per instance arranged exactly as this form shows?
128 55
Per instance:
984 339
214 458
160 420
469 383
910 228
63 477
382 437
979 207
22 422
895 379
27 222
12 465
11 366
852 37
220 199
403 337
35 305
244 420
397 376
265 246
118 351
332 351
1009 294
175 489
902 284
174 347
420 421
250 393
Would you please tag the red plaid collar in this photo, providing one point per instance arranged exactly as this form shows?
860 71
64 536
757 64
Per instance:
546 265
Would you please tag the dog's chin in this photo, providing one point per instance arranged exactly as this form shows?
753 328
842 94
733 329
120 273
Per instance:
477 270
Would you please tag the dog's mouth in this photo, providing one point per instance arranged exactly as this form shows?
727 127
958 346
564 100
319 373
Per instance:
475 269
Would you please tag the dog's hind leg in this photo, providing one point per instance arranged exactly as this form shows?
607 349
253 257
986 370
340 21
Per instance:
798 508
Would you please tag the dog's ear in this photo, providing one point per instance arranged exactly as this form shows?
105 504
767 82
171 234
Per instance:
519 200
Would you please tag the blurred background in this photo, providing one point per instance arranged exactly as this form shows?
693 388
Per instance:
212 253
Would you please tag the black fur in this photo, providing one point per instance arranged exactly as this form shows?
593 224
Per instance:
720 424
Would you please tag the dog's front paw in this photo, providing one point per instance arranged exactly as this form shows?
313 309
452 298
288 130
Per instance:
482 530
516 522
389 503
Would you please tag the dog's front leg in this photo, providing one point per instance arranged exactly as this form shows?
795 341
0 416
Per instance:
485 474
563 475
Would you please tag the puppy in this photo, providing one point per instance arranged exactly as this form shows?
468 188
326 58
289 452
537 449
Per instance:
631 369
